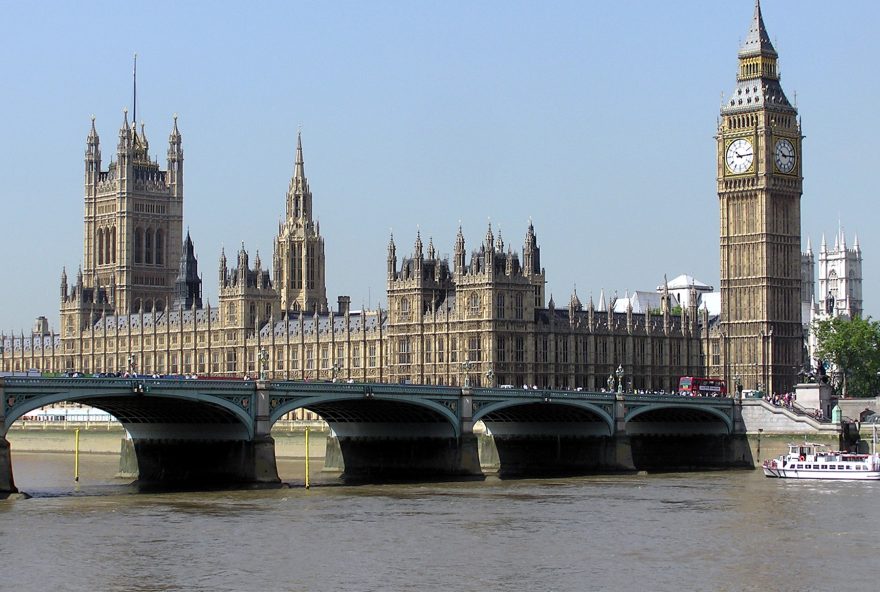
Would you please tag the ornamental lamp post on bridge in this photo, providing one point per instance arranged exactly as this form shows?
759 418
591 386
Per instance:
737 385
131 364
490 378
619 373
264 362
466 369
335 371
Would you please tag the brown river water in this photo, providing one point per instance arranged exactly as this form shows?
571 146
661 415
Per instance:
733 530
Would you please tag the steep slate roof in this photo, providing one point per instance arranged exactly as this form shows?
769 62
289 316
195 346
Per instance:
357 321
757 41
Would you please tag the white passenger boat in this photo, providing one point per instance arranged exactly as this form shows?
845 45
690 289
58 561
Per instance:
815 461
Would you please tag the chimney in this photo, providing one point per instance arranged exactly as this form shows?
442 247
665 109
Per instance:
344 303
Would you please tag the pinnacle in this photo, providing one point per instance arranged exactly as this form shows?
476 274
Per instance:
757 41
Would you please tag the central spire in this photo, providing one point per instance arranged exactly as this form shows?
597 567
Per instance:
757 41
299 198
757 78
299 169
299 249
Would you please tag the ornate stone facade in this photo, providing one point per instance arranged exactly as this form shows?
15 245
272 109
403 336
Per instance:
483 321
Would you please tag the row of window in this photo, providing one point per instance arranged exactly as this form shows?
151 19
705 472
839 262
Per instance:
105 245
149 246
833 467
296 267
175 362
404 307
513 348
149 208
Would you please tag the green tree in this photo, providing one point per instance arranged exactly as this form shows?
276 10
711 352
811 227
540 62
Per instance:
853 346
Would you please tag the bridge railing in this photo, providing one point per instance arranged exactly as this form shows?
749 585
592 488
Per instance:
512 393
362 387
108 382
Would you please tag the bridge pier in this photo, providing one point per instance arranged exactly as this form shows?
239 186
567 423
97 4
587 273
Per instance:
206 462
620 455
7 484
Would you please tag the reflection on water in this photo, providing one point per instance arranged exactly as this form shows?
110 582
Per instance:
702 531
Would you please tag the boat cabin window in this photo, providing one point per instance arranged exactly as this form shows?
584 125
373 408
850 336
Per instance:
824 466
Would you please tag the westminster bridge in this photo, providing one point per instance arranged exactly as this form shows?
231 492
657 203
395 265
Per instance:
198 432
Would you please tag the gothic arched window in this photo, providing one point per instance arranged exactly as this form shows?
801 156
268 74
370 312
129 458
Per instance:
138 245
160 247
148 246
474 304
310 267
113 245
100 246
832 283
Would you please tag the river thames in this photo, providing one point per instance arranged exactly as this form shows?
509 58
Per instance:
733 530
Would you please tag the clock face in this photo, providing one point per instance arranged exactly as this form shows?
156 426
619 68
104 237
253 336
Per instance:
739 156
784 156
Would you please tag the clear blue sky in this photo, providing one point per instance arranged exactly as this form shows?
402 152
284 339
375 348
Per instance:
595 119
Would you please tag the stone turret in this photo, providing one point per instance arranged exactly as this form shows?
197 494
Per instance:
299 247
392 259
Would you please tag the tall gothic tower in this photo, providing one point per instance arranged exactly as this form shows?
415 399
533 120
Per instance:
759 191
840 278
299 248
133 221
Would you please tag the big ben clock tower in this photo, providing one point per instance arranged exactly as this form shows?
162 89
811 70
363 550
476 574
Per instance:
759 191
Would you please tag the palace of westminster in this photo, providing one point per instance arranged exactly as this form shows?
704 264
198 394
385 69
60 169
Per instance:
135 304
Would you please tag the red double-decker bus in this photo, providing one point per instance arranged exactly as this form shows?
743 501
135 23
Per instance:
696 386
